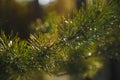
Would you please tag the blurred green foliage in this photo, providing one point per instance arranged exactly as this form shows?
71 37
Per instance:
73 44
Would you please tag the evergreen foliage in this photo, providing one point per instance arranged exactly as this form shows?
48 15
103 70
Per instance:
73 42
